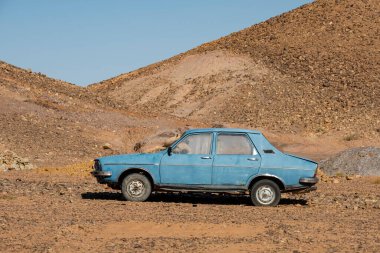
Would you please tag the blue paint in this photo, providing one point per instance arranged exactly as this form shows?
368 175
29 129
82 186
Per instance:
185 169
214 170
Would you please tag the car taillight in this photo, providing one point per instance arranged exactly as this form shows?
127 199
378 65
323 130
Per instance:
316 171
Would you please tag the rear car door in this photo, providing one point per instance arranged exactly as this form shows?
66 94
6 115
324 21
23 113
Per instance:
190 162
236 159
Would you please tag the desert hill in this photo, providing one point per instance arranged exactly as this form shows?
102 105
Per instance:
52 122
308 78
314 69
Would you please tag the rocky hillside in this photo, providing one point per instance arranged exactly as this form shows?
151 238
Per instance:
314 69
52 123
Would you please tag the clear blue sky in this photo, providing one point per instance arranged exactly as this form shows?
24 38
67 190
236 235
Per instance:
86 41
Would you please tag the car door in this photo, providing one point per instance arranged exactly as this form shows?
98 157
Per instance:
190 162
236 159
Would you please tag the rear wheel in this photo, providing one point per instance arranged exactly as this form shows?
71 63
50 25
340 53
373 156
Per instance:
136 187
265 193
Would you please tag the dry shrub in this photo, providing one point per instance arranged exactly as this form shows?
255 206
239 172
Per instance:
339 174
79 169
351 137
376 180
7 197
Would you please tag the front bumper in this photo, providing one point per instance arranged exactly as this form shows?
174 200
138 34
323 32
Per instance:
308 181
101 176
99 173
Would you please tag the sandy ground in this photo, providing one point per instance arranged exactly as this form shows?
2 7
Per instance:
56 212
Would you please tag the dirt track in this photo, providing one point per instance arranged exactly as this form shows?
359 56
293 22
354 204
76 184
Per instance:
40 212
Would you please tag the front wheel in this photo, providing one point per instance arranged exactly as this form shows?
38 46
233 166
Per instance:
136 187
265 193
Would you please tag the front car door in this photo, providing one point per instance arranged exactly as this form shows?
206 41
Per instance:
190 162
236 159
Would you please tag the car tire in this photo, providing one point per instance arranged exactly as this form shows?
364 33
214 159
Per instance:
265 193
136 187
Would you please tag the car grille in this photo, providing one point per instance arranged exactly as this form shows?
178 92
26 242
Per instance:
97 165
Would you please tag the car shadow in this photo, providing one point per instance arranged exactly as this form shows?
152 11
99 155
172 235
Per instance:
190 198
102 196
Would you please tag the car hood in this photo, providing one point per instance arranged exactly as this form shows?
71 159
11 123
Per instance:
137 159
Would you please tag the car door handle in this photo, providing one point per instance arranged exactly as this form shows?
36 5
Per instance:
252 159
206 157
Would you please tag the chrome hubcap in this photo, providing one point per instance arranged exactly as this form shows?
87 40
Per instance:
265 195
136 188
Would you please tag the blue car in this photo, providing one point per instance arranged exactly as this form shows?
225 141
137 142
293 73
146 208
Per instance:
210 160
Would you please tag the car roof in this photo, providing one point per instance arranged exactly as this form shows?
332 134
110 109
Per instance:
226 130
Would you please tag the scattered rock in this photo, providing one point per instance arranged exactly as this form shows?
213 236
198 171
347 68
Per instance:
138 146
107 146
11 161
167 134
153 149
169 141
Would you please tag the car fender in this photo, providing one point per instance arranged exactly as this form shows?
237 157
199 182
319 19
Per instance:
265 175
136 169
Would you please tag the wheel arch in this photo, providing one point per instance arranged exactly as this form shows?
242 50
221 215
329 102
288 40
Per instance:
136 170
274 178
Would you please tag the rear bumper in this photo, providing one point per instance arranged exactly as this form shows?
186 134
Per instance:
306 184
308 181
300 189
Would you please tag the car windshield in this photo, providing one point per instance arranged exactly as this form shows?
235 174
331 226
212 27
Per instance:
194 144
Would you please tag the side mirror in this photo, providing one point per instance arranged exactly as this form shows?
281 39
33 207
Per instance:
170 150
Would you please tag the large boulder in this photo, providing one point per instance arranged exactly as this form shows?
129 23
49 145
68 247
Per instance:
363 161
159 141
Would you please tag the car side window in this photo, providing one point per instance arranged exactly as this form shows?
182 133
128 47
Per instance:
196 144
234 144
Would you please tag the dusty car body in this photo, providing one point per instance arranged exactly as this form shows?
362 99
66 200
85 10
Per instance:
210 160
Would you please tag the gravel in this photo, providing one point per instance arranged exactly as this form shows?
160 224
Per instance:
364 161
